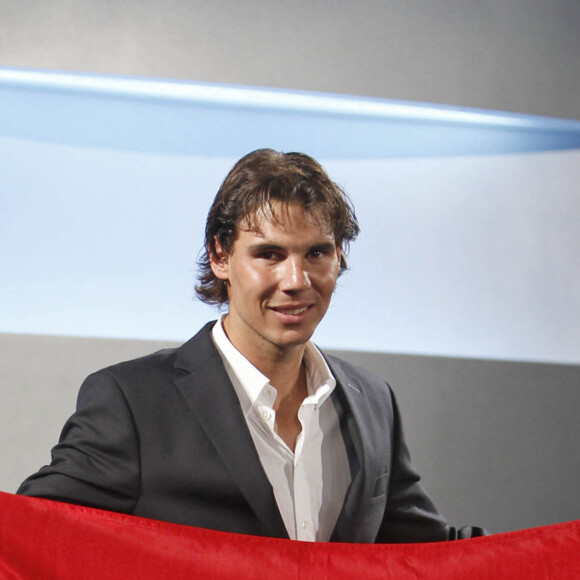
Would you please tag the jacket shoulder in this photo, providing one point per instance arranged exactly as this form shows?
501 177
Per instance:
343 369
357 383
162 365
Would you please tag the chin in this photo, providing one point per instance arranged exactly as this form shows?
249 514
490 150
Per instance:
294 339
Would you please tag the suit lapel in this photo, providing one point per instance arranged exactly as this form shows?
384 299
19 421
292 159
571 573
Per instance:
213 400
353 409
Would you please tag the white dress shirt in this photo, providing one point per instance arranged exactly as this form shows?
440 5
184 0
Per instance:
310 483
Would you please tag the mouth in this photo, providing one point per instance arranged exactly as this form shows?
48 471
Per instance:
294 311
291 310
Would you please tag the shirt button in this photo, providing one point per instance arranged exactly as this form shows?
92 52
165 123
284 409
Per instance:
265 414
268 392
305 525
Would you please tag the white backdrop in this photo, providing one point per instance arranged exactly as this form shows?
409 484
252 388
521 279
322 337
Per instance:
462 255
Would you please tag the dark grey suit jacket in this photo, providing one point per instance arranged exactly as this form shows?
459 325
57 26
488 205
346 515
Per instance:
164 437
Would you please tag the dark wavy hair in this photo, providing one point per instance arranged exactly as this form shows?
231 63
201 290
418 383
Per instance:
257 182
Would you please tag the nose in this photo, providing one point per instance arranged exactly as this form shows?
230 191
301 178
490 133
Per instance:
294 275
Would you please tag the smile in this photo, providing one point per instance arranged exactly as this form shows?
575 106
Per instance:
292 311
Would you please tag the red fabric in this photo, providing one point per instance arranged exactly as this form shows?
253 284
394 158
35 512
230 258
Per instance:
43 540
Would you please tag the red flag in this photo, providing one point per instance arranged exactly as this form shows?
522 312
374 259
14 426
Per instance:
46 540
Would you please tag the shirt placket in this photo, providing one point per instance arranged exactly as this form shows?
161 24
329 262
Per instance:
264 407
303 509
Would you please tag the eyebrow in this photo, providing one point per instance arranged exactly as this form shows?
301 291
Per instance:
327 246
270 246
265 246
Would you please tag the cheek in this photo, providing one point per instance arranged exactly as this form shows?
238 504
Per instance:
326 281
255 279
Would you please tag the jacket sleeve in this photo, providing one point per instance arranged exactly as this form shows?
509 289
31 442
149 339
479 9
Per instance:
410 514
96 462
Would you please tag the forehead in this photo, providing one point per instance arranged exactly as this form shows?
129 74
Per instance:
289 219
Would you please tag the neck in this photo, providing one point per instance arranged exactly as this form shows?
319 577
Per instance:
283 367
281 364
292 390
287 374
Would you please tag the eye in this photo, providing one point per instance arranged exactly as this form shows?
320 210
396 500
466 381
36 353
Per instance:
269 255
318 253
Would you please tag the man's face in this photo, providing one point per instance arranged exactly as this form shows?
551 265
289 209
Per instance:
281 279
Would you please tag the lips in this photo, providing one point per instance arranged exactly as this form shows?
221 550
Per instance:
291 310
296 311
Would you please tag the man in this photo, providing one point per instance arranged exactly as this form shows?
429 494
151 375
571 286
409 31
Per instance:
247 427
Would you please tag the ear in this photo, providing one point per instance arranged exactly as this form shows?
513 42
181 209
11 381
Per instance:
341 259
218 261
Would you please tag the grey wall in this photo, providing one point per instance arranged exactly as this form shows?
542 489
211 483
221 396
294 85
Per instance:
496 441
513 55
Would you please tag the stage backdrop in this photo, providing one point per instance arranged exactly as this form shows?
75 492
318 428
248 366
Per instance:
469 248
469 218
